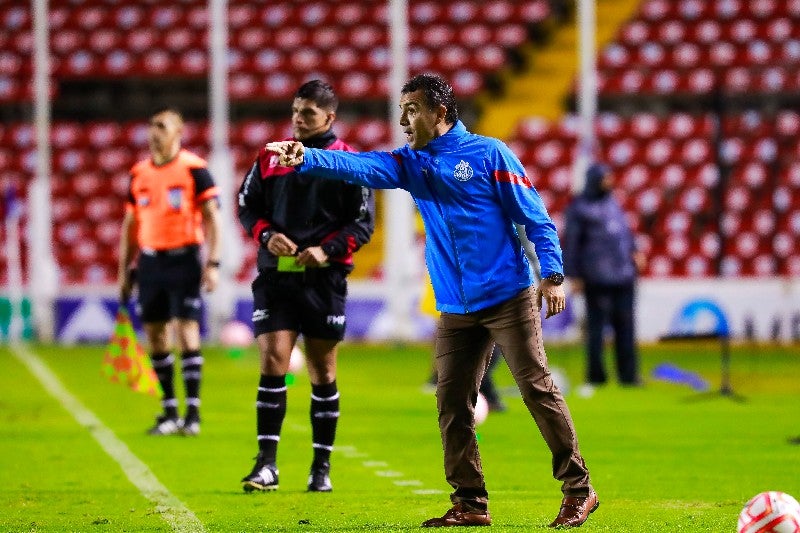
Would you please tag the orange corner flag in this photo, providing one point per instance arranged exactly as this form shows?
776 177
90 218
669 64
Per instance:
125 361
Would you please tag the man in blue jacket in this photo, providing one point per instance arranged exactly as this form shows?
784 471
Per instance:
600 259
470 190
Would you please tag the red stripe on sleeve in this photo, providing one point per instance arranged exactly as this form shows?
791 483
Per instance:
504 176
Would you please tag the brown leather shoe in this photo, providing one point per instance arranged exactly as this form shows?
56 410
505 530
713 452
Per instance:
458 516
575 510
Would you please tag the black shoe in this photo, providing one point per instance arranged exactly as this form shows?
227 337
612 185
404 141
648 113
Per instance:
166 425
263 477
319 479
190 426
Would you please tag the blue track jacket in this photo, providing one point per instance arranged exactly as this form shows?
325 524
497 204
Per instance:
469 190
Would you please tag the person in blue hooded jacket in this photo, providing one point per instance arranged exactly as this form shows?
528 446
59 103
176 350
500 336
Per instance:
470 190
601 260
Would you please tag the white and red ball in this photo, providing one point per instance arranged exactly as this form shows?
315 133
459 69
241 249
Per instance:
236 334
481 409
770 512
297 360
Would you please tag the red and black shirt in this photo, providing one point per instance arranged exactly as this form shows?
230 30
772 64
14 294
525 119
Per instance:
338 216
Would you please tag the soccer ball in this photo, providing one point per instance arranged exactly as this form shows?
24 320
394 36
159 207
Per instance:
481 409
236 334
770 512
296 360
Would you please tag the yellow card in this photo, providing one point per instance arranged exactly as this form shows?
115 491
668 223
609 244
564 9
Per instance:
288 263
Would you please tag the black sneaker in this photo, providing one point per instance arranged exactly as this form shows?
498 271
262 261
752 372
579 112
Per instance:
319 479
166 425
263 477
190 426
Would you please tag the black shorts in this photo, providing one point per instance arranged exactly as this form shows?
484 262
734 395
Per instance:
311 303
169 285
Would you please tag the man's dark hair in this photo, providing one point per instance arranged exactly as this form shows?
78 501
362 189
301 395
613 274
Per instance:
319 92
167 109
437 92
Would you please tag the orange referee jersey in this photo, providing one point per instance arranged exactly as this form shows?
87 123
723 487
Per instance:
166 201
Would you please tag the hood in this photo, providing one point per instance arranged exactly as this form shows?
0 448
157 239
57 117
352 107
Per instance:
594 175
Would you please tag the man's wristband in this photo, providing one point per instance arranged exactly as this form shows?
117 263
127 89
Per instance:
212 264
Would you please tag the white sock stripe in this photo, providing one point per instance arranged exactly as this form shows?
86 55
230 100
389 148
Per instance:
322 446
326 414
267 405
195 402
163 363
269 437
192 374
324 399
171 402
193 361
265 389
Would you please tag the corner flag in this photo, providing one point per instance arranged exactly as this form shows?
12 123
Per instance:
125 361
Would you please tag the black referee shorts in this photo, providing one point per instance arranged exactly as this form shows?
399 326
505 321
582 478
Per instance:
169 285
311 302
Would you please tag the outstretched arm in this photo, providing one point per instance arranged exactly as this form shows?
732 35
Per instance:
376 170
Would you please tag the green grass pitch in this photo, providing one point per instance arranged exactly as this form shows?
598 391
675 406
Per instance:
663 457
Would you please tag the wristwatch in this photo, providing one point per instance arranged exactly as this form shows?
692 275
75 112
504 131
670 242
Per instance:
556 278
264 237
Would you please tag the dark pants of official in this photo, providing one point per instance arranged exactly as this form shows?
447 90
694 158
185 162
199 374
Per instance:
611 304
463 346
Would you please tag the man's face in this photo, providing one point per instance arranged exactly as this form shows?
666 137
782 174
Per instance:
309 120
417 119
164 133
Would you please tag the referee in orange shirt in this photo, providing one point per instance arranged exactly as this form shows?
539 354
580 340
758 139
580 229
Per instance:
171 209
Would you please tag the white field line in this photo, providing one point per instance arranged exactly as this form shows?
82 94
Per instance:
171 509
379 469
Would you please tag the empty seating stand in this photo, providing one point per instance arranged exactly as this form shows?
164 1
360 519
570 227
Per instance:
668 181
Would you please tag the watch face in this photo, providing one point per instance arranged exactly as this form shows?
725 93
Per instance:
556 278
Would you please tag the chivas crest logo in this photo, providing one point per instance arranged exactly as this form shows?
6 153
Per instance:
462 172
175 197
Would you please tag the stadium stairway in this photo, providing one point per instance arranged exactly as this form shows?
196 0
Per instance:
541 90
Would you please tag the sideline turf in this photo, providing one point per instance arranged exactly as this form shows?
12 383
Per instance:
662 457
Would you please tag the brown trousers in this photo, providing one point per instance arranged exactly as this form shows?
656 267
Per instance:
463 347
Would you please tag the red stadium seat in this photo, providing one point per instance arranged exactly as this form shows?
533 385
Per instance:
356 85
533 11
166 17
367 36
240 16
460 12
709 244
686 55
290 38
660 266
141 39
327 37
341 59
510 35
89 17
314 14
126 16
783 244
623 152
655 10
86 184
253 133
425 13
437 36
277 15
376 61
66 134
